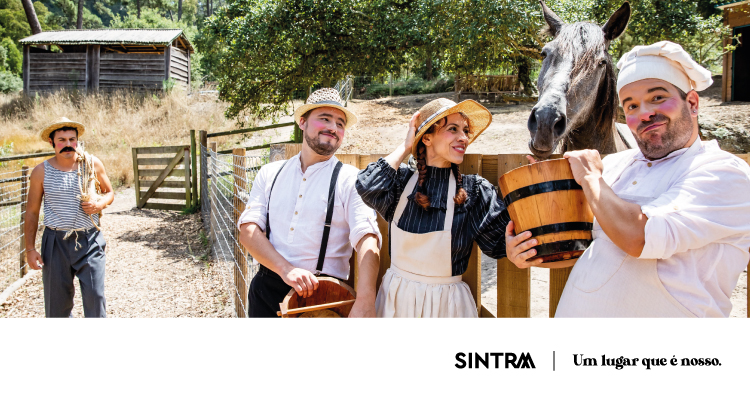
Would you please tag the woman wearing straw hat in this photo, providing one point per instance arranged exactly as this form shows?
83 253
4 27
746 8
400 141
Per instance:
435 213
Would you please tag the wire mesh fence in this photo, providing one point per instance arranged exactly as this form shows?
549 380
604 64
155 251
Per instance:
226 180
13 200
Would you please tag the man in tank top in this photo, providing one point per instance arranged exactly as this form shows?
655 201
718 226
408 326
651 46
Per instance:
672 217
72 244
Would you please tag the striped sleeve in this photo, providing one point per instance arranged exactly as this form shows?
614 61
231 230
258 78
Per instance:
380 186
494 219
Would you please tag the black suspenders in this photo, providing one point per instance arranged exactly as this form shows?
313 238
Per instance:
329 213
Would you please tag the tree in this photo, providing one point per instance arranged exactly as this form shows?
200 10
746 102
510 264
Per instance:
696 25
266 50
36 27
79 22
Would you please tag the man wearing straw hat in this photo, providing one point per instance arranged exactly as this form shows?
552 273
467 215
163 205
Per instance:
72 244
672 218
304 216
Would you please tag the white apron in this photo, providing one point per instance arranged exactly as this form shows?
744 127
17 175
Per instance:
419 282
607 282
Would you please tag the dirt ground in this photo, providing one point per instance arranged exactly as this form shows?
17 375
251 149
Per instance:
154 269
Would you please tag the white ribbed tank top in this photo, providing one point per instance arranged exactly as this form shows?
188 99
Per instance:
62 208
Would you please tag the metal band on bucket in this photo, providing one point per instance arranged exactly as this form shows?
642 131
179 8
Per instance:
561 227
562 246
539 188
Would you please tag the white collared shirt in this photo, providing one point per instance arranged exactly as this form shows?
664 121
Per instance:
699 229
298 209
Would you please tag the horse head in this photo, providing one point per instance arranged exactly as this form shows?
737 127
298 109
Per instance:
577 86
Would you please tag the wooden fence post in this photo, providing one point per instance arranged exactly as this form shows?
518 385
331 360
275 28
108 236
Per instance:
240 273
204 173
24 197
558 277
513 283
213 212
186 162
193 152
473 276
136 178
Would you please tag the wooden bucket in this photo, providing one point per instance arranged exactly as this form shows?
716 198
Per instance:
332 294
545 199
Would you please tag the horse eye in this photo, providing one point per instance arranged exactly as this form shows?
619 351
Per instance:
544 53
603 62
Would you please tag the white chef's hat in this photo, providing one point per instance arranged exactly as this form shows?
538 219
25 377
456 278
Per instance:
666 61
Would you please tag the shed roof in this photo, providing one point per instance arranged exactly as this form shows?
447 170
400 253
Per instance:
162 37
730 4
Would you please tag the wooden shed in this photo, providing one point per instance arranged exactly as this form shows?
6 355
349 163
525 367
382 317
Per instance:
106 60
736 68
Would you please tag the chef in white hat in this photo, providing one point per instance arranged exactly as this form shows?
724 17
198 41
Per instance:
672 217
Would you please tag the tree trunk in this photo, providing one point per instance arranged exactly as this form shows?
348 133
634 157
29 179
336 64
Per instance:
428 72
79 23
31 16
524 75
179 10
138 8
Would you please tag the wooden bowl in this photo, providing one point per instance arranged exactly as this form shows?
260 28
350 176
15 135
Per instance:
332 294
545 199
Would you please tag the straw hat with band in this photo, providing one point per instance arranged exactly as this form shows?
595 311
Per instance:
434 111
325 97
62 123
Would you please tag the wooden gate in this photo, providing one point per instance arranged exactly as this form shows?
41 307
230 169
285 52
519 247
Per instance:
159 168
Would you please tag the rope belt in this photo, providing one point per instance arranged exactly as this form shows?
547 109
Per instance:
70 232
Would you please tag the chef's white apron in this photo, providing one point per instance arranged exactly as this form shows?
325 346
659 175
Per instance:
419 282
606 281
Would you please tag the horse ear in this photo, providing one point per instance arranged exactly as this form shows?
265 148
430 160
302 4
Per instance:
553 21
617 23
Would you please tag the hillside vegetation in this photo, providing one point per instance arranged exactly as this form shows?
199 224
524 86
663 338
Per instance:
115 122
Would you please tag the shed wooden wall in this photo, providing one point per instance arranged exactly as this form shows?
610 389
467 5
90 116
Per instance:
179 67
734 17
49 72
54 71
136 71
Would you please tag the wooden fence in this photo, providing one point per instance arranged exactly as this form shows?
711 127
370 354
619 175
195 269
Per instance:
155 175
486 85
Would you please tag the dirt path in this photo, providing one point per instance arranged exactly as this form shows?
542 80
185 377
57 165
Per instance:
151 272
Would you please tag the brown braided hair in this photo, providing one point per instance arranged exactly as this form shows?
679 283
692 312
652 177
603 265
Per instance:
421 197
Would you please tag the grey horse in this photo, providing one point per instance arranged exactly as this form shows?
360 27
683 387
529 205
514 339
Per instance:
578 101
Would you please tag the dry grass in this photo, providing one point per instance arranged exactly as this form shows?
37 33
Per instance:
115 122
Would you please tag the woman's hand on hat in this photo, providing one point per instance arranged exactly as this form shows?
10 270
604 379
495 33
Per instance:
411 133
519 248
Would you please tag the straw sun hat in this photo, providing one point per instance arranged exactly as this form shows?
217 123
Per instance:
325 97
61 123
434 111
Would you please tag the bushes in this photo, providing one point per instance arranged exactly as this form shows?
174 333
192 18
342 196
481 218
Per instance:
10 83
407 87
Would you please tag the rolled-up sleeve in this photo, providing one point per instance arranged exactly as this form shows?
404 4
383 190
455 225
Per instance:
705 206
380 186
362 219
257 204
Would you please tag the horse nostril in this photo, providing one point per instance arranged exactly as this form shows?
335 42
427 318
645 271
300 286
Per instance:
532 125
559 128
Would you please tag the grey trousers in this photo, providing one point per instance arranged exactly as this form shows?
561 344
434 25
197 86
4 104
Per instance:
62 262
